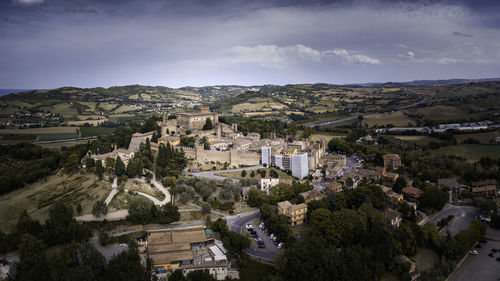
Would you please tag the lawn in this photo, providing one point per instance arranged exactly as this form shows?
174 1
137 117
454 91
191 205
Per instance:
237 175
38 197
472 152
95 131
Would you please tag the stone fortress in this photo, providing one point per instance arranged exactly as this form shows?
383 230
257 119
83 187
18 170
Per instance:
226 145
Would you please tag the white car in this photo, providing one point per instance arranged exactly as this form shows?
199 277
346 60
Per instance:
261 225
473 252
248 226
280 245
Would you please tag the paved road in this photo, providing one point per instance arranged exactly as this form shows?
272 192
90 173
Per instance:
479 267
108 251
237 223
463 217
211 174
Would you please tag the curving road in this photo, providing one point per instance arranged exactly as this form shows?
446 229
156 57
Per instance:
158 185
237 223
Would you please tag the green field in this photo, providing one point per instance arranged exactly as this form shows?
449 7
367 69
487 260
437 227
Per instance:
481 137
95 131
472 152
43 134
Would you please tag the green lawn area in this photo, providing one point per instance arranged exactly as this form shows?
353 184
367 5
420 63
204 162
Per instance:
19 137
473 152
95 131
237 175
254 270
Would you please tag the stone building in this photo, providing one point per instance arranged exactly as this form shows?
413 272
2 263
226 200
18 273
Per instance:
392 161
196 120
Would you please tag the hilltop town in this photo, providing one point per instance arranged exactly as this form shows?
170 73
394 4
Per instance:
196 188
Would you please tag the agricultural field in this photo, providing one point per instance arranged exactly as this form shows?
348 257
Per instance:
43 134
472 152
443 112
397 118
420 140
66 110
486 137
263 106
95 131
38 197
324 137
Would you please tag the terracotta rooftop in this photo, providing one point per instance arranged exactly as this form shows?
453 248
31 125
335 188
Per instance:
412 191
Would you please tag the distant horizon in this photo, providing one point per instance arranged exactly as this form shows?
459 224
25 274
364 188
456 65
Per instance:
4 90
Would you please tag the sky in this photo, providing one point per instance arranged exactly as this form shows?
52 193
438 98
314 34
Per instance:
103 43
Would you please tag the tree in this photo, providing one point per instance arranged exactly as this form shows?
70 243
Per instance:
243 173
208 124
399 185
205 208
26 225
252 174
131 168
140 211
433 199
119 167
89 164
263 173
99 169
71 163
126 266
110 164
99 209
273 173
33 264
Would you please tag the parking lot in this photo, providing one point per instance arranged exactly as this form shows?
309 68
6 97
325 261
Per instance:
269 244
481 266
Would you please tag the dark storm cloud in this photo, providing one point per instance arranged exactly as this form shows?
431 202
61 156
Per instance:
194 42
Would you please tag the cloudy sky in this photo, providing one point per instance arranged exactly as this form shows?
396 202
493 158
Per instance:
88 43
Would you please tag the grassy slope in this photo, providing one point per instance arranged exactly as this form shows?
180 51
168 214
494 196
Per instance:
38 197
473 152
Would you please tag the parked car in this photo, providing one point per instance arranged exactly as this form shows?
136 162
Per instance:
494 250
483 241
478 246
473 252
261 245
248 226
261 225
280 245
490 255
498 258
271 236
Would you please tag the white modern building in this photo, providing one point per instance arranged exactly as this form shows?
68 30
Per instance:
266 184
266 155
299 165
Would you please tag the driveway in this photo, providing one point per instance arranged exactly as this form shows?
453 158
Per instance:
211 174
464 215
160 187
108 251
